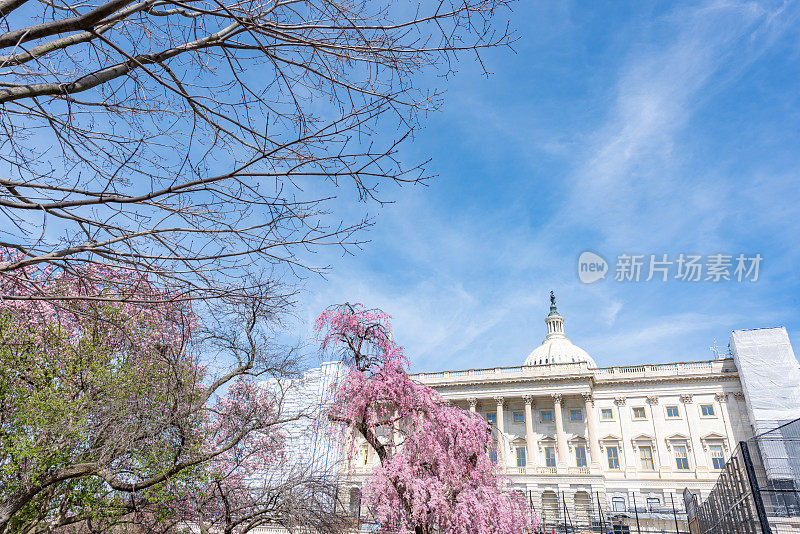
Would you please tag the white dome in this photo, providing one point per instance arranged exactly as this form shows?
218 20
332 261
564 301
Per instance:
556 347
558 351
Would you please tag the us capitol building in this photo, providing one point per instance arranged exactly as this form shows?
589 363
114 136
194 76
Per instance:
575 437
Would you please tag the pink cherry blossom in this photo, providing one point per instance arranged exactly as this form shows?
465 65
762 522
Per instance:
435 473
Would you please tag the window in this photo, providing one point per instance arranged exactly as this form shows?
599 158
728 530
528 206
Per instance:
521 461
607 414
672 411
355 502
717 456
493 455
638 413
580 456
653 502
646 455
518 417
575 415
681 460
547 416
613 457
491 418
707 410
618 503
549 456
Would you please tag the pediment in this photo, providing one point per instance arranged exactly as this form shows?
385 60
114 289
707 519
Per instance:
610 437
678 436
643 437
713 436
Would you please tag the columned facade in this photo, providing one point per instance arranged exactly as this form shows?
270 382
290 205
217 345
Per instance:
588 432
566 430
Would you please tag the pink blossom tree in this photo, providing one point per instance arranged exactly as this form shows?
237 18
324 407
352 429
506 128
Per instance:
111 412
435 474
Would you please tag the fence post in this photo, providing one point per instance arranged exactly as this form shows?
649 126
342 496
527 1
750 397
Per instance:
674 514
600 513
751 478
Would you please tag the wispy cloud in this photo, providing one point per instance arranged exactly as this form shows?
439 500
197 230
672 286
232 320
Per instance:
637 164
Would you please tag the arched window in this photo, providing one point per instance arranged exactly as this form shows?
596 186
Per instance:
550 508
618 504
583 507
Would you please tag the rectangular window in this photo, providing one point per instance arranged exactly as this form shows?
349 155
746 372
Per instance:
547 416
672 411
638 413
549 456
491 418
521 461
580 456
518 417
681 460
613 457
653 502
493 455
618 504
707 410
646 455
607 414
717 456
575 415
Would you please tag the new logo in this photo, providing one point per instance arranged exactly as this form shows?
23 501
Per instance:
591 267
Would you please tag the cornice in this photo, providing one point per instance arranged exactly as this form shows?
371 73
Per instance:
717 377
520 380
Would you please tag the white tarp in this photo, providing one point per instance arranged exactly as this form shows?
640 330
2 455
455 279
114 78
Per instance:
770 377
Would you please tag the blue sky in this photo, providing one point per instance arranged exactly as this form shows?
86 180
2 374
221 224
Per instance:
639 128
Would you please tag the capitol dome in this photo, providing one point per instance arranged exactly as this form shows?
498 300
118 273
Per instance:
556 347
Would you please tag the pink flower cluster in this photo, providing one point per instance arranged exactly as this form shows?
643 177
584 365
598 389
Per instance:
41 295
435 473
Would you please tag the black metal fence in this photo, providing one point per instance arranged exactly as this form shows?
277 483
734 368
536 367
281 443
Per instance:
639 514
758 492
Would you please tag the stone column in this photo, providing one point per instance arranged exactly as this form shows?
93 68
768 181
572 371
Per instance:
693 422
660 451
529 440
591 431
628 462
561 438
473 405
722 400
501 427
739 419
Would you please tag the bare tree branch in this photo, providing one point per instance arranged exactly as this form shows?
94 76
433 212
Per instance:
203 142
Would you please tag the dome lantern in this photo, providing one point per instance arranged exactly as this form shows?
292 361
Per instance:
554 322
556 347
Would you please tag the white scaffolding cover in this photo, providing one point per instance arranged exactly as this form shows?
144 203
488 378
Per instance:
770 377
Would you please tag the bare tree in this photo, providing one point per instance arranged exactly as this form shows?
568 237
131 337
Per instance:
198 141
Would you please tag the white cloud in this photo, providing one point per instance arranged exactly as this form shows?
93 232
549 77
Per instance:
633 172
